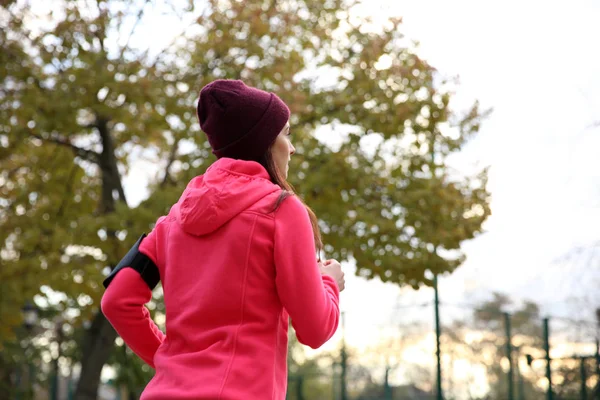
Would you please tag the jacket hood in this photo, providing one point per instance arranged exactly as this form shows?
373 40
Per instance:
228 188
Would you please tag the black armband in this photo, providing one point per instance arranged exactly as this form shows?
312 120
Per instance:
139 262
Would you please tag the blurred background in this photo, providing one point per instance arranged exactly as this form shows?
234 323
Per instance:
449 149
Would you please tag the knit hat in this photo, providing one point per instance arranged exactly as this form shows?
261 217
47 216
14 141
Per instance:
240 121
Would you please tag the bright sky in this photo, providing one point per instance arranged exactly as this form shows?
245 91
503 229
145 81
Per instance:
536 63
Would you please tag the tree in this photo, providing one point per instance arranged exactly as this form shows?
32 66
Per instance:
131 372
66 136
308 377
79 101
482 341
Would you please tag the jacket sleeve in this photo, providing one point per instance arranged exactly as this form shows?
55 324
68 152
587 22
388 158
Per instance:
310 298
123 304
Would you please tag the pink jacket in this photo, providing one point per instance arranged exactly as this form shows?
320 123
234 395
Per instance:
233 272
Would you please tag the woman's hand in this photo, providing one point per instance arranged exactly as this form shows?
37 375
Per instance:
333 269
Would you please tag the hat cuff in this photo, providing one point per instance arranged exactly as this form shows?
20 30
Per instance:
258 140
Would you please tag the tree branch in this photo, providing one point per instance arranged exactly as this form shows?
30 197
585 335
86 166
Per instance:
111 179
88 155
67 191
139 16
161 53
172 156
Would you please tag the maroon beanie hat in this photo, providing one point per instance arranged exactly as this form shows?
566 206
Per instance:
240 122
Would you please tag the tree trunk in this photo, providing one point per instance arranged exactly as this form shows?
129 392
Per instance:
8 377
99 340
98 343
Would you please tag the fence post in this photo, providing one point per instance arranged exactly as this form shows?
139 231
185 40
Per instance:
550 395
583 378
438 333
300 388
511 382
598 369
387 390
598 354
344 359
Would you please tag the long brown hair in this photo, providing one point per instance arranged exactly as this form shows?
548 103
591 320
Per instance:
279 179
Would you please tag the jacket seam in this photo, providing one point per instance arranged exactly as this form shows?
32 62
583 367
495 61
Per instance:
243 300
269 216
278 315
165 249
166 342
276 353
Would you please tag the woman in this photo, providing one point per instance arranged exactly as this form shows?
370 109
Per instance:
237 258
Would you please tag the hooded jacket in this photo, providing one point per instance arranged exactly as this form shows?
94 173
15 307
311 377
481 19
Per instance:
233 273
